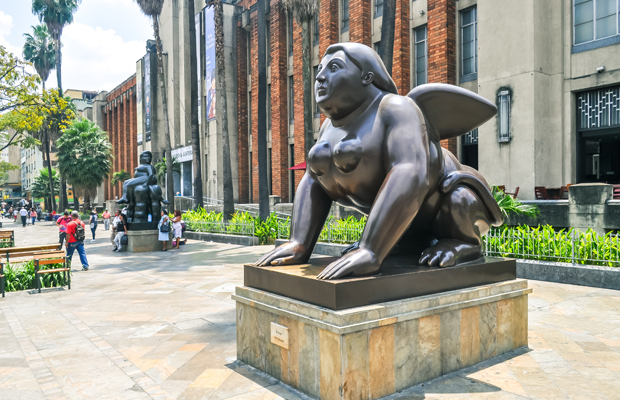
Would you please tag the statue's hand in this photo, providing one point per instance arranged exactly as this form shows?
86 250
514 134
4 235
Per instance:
360 262
287 254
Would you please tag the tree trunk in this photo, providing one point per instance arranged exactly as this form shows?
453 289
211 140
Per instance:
58 66
387 33
193 59
229 201
86 200
63 200
305 50
46 143
164 100
263 189
76 199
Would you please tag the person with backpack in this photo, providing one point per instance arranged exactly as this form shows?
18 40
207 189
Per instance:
164 229
93 223
76 233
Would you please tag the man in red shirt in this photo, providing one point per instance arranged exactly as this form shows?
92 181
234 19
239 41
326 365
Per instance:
62 223
75 239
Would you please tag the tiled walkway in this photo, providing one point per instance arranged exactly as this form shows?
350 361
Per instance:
162 326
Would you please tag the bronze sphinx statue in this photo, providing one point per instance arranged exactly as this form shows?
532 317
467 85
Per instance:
142 194
380 153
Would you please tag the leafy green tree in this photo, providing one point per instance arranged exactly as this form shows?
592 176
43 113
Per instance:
120 176
56 14
162 170
41 188
40 52
18 87
152 8
84 154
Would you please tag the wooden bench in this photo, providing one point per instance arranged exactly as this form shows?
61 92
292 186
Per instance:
48 258
8 236
27 252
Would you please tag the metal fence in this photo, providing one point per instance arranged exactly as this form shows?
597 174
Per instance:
227 228
333 232
573 246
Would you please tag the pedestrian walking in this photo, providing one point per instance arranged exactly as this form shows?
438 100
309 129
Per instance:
62 223
24 214
106 220
15 214
177 228
76 233
33 215
93 223
115 222
121 229
164 229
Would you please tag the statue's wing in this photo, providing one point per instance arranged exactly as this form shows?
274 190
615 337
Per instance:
451 110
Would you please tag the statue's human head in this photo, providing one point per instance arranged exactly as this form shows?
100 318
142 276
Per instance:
348 74
146 157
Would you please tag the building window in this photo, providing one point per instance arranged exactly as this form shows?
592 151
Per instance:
503 97
599 108
291 100
269 110
291 174
469 45
290 34
378 8
249 55
268 34
595 19
317 29
421 60
317 110
269 171
345 16
377 47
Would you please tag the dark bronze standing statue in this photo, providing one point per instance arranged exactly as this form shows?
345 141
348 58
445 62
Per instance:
379 153
142 194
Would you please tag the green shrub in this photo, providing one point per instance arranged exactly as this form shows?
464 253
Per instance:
21 276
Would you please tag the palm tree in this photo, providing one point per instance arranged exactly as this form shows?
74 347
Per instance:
84 154
304 11
162 168
152 8
41 188
40 52
387 33
193 58
229 201
120 176
56 14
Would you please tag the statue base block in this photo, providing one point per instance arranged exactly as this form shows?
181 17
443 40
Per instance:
143 241
373 351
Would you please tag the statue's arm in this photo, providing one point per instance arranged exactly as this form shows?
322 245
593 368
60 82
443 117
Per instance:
406 158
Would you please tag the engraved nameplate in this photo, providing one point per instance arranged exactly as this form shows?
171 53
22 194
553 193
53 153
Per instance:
279 335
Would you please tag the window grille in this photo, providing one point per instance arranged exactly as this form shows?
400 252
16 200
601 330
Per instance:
504 116
290 34
470 138
291 100
595 19
421 52
469 42
378 8
345 16
599 108
316 30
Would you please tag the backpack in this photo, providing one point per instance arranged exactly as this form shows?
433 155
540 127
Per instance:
79 234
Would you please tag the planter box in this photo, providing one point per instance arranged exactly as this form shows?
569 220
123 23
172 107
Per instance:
222 238
583 275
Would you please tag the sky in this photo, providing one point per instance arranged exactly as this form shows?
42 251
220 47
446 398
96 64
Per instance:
100 48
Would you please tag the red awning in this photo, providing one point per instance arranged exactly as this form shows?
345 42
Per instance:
301 166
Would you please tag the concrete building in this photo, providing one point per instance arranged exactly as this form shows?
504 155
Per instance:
31 163
83 100
12 188
552 67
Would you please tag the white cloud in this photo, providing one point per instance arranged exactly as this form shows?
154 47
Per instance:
6 24
96 59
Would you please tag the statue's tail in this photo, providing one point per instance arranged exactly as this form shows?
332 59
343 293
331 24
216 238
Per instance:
466 178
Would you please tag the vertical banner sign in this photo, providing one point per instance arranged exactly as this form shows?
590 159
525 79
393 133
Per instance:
147 96
139 115
198 56
210 60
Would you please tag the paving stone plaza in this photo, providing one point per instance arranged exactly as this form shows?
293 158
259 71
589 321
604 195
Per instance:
162 326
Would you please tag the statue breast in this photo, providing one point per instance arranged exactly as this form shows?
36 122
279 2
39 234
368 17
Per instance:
346 156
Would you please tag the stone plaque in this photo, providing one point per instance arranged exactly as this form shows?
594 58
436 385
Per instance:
279 335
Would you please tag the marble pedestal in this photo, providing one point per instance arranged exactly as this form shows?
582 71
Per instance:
372 351
143 241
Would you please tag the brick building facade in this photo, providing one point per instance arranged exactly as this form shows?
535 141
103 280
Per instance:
120 121
285 85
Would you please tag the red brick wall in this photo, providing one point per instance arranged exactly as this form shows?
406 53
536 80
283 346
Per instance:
242 116
328 35
401 64
300 140
442 48
359 21
254 111
121 125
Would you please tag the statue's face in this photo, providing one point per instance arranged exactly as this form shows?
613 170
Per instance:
145 159
339 88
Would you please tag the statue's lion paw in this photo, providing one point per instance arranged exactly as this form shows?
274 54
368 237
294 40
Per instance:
438 256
